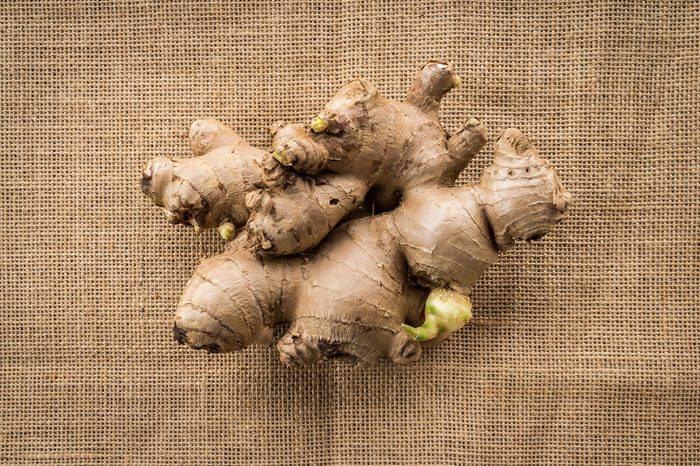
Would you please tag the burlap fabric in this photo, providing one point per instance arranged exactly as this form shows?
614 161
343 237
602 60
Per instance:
584 347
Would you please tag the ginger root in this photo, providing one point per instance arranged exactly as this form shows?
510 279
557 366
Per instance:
380 286
209 189
362 148
363 292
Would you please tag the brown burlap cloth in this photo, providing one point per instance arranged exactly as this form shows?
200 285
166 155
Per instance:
584 347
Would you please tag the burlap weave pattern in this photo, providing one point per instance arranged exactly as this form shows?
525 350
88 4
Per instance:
584 347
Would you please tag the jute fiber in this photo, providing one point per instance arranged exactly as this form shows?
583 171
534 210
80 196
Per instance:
585 346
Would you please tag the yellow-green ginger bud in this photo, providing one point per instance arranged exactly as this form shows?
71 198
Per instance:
281 156
227 231
319 125
445 312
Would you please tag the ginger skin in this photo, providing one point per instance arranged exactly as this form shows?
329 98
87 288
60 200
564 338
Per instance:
209 189
373 275
362 148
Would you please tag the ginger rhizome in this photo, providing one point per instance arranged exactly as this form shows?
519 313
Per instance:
361 149
380 286
385 285
209 189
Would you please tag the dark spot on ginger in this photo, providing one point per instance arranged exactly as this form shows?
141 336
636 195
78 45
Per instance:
179 335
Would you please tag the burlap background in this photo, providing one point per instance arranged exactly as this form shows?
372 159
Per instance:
584 349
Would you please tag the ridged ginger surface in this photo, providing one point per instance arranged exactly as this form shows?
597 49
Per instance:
384 285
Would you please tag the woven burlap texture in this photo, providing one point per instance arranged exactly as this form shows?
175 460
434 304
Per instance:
584 346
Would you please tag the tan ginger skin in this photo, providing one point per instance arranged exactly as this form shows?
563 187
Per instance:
362 147
210 188
372 276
